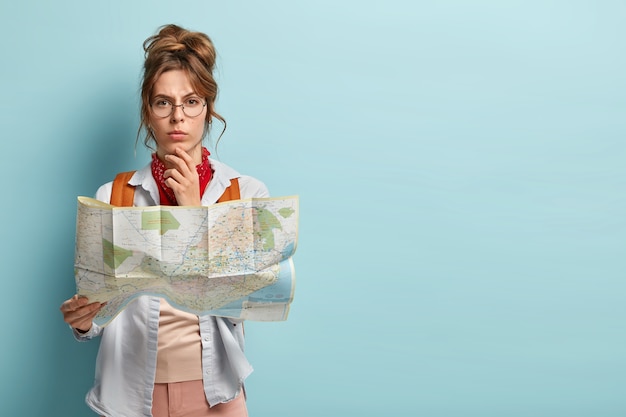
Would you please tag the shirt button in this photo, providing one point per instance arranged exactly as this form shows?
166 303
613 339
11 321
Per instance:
206 338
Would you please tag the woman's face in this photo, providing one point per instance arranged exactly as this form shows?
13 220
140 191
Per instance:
177 130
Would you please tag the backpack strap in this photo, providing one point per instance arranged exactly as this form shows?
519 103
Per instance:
123 194
232 192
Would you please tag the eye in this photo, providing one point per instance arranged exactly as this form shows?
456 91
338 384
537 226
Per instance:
161 103
193 102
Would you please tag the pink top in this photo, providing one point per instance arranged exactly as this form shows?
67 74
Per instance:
179 356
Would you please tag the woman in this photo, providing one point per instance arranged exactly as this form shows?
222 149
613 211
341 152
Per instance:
154 359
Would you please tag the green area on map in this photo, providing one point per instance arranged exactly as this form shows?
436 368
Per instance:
114 255
159 220
286 212
267 222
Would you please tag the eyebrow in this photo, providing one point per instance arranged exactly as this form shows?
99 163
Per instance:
165 96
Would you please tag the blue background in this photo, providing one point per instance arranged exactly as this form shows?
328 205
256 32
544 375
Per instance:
460 166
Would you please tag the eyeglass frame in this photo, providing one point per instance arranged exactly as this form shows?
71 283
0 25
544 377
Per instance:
182 107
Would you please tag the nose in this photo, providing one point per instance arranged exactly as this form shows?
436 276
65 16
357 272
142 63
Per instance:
177 112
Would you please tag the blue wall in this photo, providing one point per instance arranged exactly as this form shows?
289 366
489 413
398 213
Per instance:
461 172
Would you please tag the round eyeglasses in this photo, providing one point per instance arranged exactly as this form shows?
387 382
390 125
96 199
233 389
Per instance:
192 107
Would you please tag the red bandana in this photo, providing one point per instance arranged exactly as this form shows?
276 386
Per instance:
166 193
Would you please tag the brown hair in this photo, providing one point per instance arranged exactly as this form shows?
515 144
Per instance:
175 48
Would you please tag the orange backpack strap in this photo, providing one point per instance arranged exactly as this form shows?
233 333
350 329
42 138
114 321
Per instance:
123 194
232 192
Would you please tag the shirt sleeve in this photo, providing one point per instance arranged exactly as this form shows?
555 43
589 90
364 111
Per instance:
104 192
250 187
83 337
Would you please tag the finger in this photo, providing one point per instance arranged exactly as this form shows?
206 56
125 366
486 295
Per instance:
177 182
179 178
182 154
74 303
185 157
174 174
82 323
183 161
85 322
178 160
80 314
67 304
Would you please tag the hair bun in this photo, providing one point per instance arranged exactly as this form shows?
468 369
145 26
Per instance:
174 39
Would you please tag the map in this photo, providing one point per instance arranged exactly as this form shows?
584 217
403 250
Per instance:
232 259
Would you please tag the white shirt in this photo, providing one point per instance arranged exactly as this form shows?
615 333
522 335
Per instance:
126 363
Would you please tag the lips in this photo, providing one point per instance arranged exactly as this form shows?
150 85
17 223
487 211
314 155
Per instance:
177 134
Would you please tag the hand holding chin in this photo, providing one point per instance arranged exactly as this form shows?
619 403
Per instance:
183 178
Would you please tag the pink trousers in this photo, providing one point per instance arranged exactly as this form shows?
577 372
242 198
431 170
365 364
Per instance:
186 399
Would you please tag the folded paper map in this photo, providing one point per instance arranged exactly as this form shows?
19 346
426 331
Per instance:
231 259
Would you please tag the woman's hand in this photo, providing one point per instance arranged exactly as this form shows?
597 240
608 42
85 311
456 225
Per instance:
79 313
183 178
